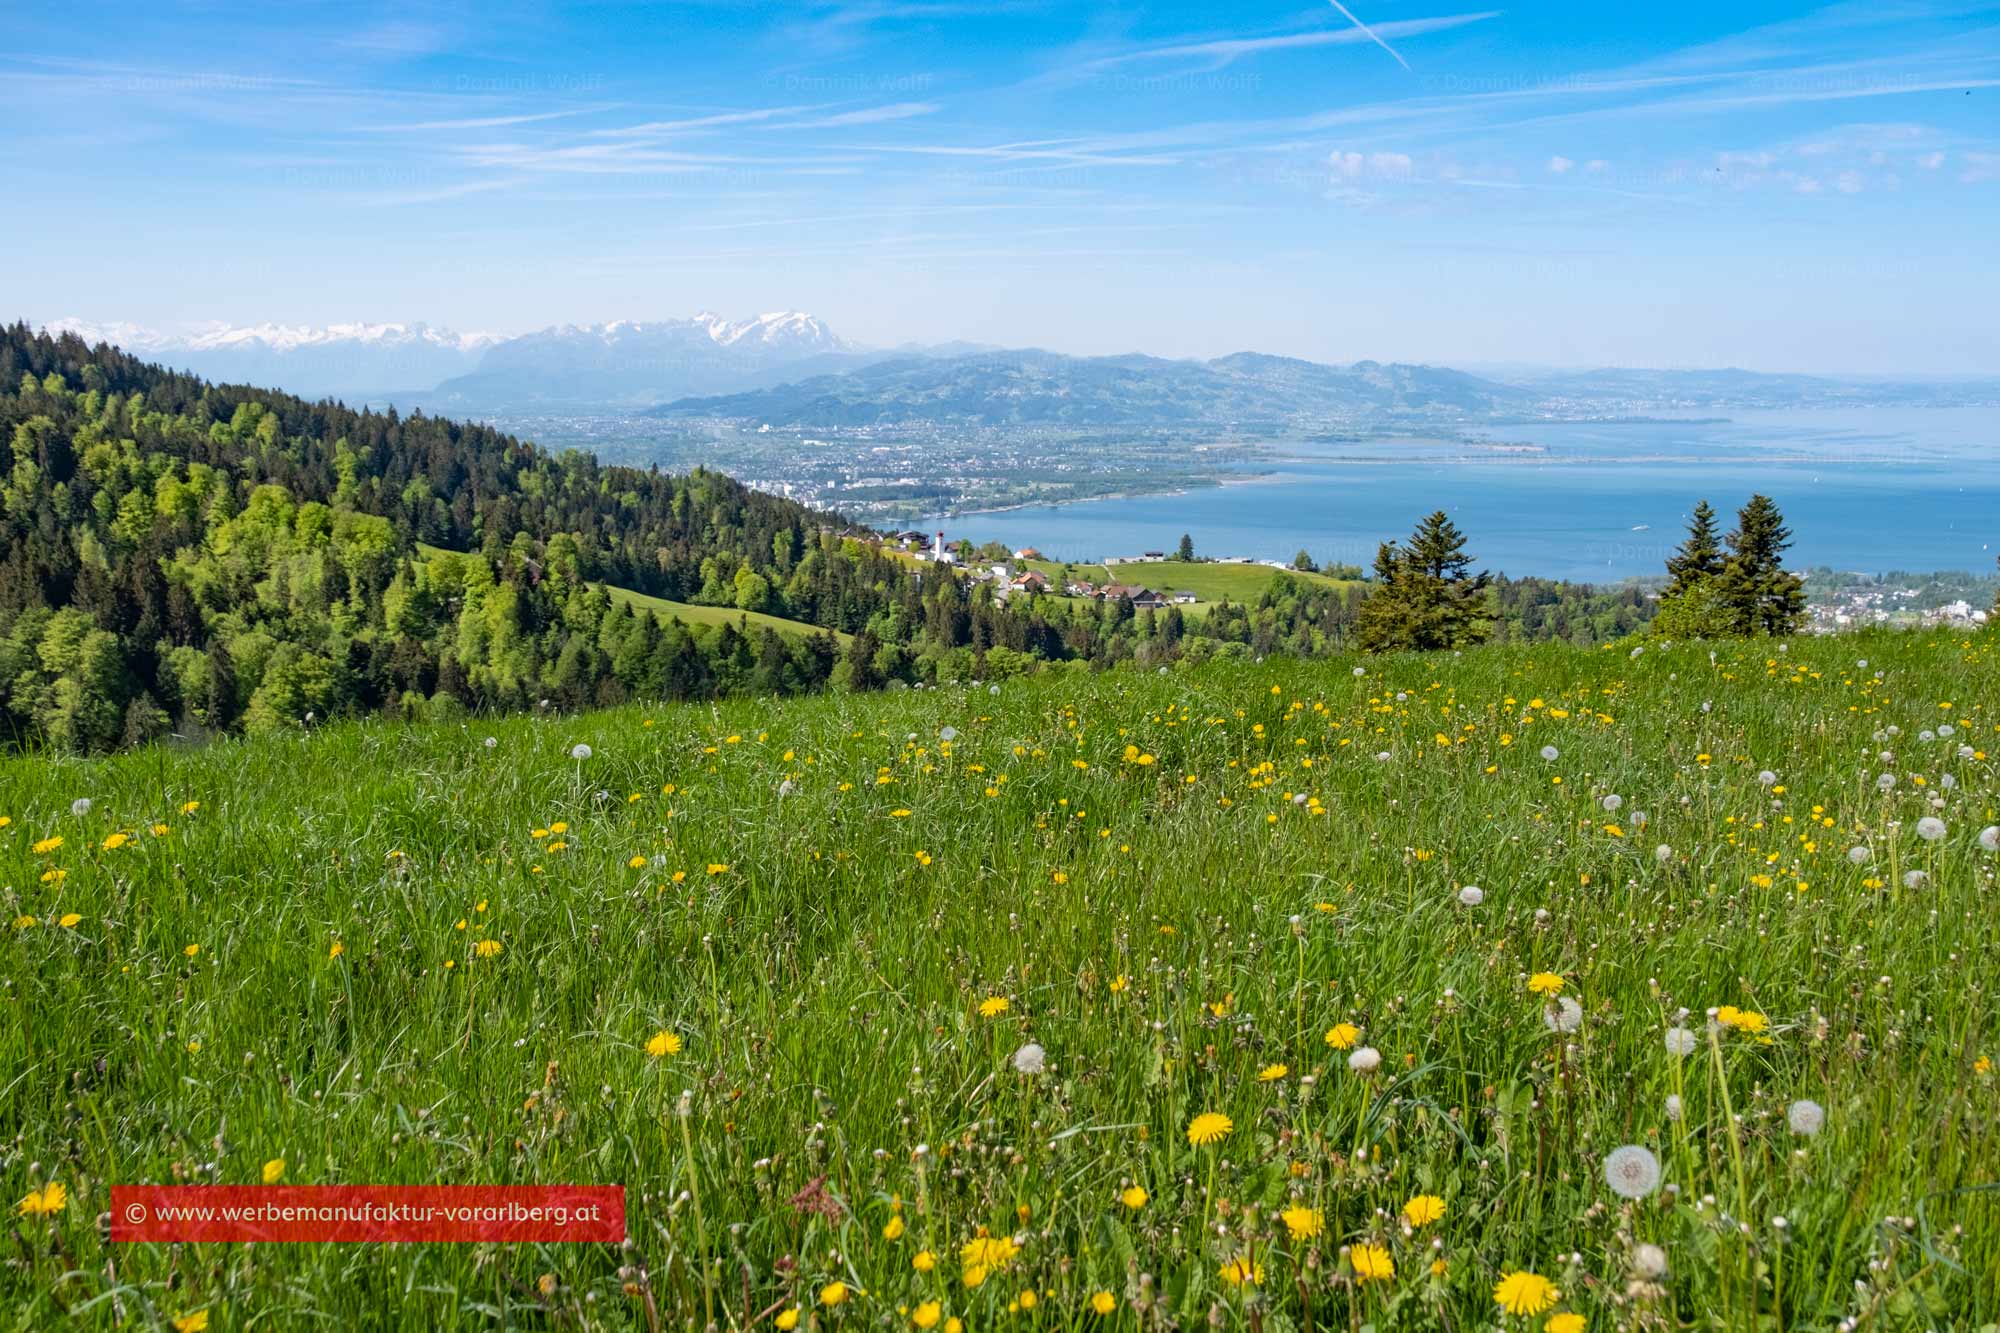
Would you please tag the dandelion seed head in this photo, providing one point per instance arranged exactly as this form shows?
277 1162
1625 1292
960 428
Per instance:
1806 1117
1632 1171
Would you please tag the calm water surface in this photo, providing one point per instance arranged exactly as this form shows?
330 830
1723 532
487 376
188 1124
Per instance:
1863 489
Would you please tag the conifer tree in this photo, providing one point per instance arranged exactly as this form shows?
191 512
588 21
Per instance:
1426 596
1757 593
1700 556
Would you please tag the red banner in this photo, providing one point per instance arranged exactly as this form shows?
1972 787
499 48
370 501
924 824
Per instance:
377 1214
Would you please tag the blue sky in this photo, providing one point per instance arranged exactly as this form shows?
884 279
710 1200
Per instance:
1774 186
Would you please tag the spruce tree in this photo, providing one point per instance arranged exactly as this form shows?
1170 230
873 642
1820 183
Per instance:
1186 552
1757 593
1700 556
1426 595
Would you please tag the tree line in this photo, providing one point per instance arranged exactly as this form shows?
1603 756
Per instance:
183 557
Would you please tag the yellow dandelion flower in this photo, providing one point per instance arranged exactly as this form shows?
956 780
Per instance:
993 1006
1567 1322
488 948
1342 1036
1133 1197
1103 1302
50 1198
923 1261
116 840
68 920
1546 983
1423 1210
663 1043
927 1315
274 1170
192 1323
1209 1127
1522 1292
832 1294
894 1230
46 845
1303 1223
1372 1263
787 1320
1272 1073
336 949
1241 1270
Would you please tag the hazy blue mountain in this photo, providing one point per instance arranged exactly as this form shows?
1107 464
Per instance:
1050 389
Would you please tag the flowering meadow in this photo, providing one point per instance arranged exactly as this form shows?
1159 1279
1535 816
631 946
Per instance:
1535 989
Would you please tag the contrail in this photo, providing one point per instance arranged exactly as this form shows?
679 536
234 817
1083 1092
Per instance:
1370 31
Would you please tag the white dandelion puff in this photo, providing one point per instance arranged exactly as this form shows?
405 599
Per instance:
1613 803
1858 855
1632 1172
1806 1117
1886 782
1649 1262
1031 1059
1472 895
1915 879
1674 1107
80 806
1989 838
492 741
1767 778
1565 1015
1930 828
948 734
1551 753
579 751
1680 1041
1364 1060
1663 853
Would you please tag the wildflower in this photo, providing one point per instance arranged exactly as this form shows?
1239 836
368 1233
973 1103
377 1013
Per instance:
927 1315
1241 1270
48 1199
787 1320
832 1294
1423 1210
1372 1262
1551 753
189 807
1930 828
1805 1117
581 751
274 1170
192 950
894 1229
1120 983
1565 1015
80 806
663 1043
1522 1292
1133 1197
336 949
1649 1262
1272 1073
47 845
488 948
24 922
1472 895
1209 1127
986 1254
1567 1322
1632 1172
923 1261
1989 838
1364 1059
993 1006
1303 1223
1342 1036
1103 1303
1743 1020
1673 1107
1030 1059
1545 983
192 1323
68 920
1680 1041
116 840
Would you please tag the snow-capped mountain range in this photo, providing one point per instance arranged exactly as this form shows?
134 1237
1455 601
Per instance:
619 363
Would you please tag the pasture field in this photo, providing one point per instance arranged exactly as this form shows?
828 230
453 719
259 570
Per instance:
1534 989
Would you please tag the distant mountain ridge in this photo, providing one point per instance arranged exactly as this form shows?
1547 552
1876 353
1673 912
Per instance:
789 368
1030 388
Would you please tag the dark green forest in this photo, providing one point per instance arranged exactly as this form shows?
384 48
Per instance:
191 558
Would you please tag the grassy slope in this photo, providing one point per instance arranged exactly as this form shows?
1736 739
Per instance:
689 612
873 884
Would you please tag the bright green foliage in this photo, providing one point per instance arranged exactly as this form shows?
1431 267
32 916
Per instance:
1177 883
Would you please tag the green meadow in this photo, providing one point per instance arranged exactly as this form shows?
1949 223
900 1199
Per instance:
1534 989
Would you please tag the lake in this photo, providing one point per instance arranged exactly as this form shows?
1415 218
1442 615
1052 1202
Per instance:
1862 489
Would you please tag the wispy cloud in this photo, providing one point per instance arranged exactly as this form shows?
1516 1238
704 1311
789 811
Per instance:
1373 36
1226 50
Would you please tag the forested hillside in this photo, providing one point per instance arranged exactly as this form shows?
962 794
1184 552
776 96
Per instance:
179 556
